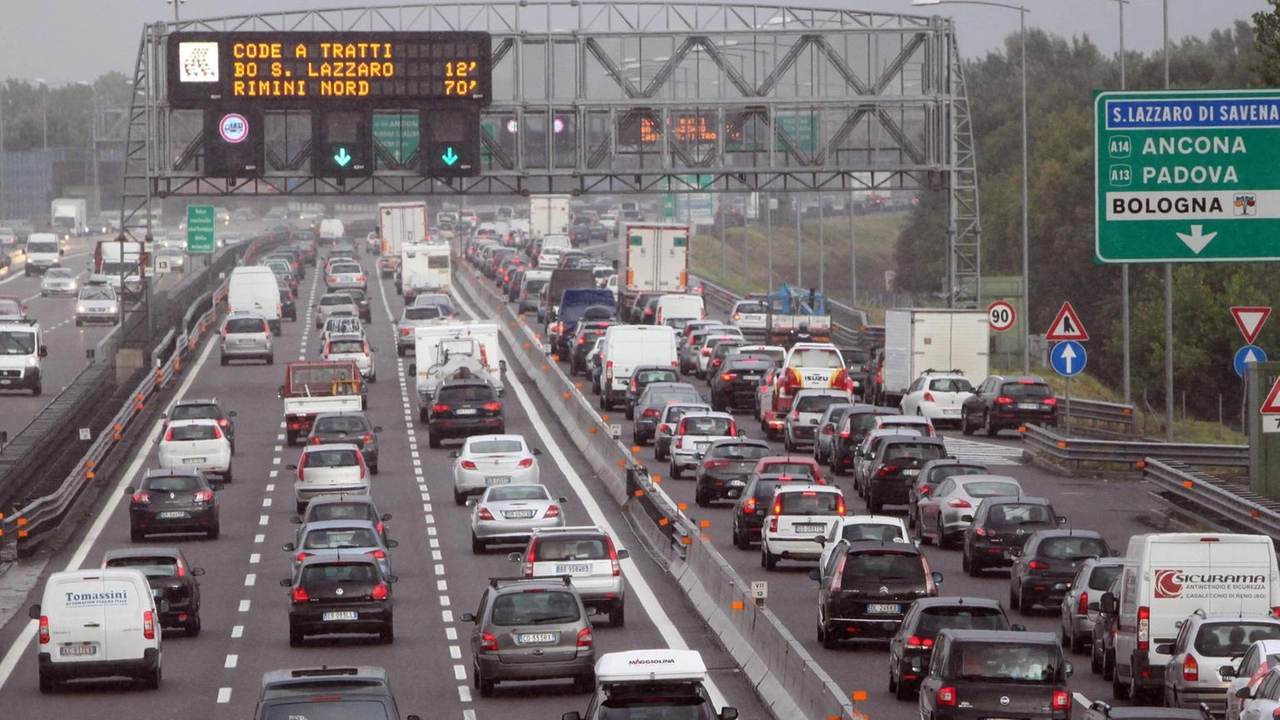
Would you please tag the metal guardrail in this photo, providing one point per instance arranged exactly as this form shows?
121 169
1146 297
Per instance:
1045 443
22 529
1212 500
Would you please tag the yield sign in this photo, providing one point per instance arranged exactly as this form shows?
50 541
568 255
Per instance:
1066 326
1271 406
1250 321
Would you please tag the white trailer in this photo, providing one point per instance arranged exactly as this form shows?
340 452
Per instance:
916 340
548 215
401 224
424 269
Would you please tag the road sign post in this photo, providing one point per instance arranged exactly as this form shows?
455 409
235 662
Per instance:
200 224
1187 176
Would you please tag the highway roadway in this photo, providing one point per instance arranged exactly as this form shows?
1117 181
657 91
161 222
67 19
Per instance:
244 614
1117 509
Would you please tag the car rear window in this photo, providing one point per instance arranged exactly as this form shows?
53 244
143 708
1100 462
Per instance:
875 567
934 619
173 484
193 432
864 421
739 452
516 492
1067 548
644 377
353 424
327 709
1008 662
1025 390
534 287
1102 576
954 385
788 468
669 396
696 425
816 358
332 458
1019 514
335 299
915 451
532 608
341 511
151 566
345 269
332 573
194 412
809 502
817 403
346 346
582 548
482 447
464 394
751 307
337 539
872 531
425 312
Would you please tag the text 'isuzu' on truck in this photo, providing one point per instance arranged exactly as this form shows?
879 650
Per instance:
806 366
319 386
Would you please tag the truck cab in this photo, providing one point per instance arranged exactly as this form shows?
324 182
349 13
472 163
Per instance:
807 365
312 387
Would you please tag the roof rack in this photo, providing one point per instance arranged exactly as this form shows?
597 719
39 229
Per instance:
496 582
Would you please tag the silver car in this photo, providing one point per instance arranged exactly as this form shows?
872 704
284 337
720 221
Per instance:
336 537
416 317
60 281
488 460
1080 607
97 303
946 513
589 557
510 514
246 336
1205 643
334 302
343 275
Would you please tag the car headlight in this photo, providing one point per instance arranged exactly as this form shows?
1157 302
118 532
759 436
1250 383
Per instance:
79 308
33 361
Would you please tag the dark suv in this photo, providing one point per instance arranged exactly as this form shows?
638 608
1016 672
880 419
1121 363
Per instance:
348 427
735 384
753 506
339 593
171 578
1000 527
725 466
895 467
910 648
849 436
1007 402
1042 573
462 408
341 691
641 377
996 673
865 588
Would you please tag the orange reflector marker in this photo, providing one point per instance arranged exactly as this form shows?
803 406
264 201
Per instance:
639 493
88 463
686 540
566 396
592 430
90 475
22 522
604 418
635 449
556 357
1188 484
704 524
859 695
545 367
622 463
682 506
22 534
1140 464
1254 513
578 385
537 336
1062 444
511 324
655 479
663 522
528 345
736 605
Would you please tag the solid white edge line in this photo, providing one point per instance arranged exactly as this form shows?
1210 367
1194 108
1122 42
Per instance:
636 583
113 498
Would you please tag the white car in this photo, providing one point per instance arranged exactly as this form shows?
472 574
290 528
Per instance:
340 325
1258 662
799 514
852 528
327 469
1263 702
97 303
340 346
511 513
487 460
60 281
197 443
937 396
751 317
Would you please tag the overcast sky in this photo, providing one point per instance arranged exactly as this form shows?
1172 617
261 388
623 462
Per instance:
72 40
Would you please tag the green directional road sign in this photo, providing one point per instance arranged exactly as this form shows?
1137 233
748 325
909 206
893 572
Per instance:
200 224
802 129
1187 176
398 134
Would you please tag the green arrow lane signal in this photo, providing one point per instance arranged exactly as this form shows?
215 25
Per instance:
449 157
342 158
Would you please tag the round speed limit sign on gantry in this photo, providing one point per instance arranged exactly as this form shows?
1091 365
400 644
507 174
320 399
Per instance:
1001 315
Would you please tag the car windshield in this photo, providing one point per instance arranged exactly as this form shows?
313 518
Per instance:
1072 548
245 325
990 488
953 385
1103 576
875 567
150 565
17 342
338 538
1232 639
816 358
332 458
809 502
1025 390
1019 514
935 619
533 608
193 432
93 292
173 484
817 403
347 424
517 492
1005 662
699 425
915 451
425 312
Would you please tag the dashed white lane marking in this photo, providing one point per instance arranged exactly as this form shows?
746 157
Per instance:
468 714
232 661
250 580
464 694
271 487
255 558
237 631
445 601
259 539
263 519
266 502
224 695
455 652
451 633
244 606
446 616
459 672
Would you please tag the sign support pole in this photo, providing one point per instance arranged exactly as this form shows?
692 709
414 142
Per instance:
1066 395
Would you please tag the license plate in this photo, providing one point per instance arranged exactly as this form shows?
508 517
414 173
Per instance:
910 472
582 569
77 650
810 529
1060 586
497 480
340 615
700 446
535 638
465 411
193 461
734 493
884 608
517 514
6 382
245 341
1028 406
171 514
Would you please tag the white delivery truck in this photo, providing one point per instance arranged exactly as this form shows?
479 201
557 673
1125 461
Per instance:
548 215
69 217
21 350
916 340
1169 576
656 259
43 252
402 224
116 261
424 269
439 351
253 289
626 346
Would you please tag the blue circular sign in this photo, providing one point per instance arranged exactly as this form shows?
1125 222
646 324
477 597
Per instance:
1068 358
1248 354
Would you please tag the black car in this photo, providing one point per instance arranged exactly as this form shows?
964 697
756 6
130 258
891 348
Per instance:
719 352
649 406
858 362
853 430
1007 402
462 408
999 528
912 645
203 409
865 587
339 594
1047 563
725 467
288 304
931 476
584 339
753 506
361 299
895 467
180 500
635 311
514 279
996 673
1099 710
347 427
171 578
642 376
735 385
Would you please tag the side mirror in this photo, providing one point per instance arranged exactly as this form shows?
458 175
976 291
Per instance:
1227 672
1018 628
516 557
454 454
1062 519
44 351
571 716
290 467
1115 553
162 606
33 612
467 617
287 582
815 575
386 517
288 547
1244 693
820 539
537 451
413 368
393 579
280 392
742 433
502 367
130 490
393 543
937 576
1165 648
296 520
729 713
1067 668
197 571
1108 603
1014 552
471 502
966 518
622 553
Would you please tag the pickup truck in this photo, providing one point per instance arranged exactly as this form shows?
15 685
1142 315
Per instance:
807 365
319 386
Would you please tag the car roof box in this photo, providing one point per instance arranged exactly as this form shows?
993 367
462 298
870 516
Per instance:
636 666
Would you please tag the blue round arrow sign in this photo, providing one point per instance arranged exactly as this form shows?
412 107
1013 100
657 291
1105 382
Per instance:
1068 358
1248 354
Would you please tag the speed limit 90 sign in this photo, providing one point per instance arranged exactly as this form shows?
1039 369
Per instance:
1001 315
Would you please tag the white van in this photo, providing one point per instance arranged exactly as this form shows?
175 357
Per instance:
626 346
21 350
1167 577
98 623
331 230
253 290
43 252
674 307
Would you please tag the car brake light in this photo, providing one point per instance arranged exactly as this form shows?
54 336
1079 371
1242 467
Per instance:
141 498
1061 700
585 638
168 435
488 643
886 470
773 524
840 509
149 625
711 464
1083 608
529 557
378 554
217 433
1050 401
492 406
404 331
829 430
1002 400
467 465
729 377
919 642
946 697
1190 668
439 408
525 463
483 513
844 434
750 506
1037 565
368 437
44 629
706 352
983 532
301 556
553 511
795 416
204 496
959 503
223 422
1144 628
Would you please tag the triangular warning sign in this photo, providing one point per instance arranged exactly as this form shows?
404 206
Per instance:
1066 326
1271 406
1250 321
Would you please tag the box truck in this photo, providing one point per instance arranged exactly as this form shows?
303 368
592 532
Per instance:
548 215
69 217
916 340
656 259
